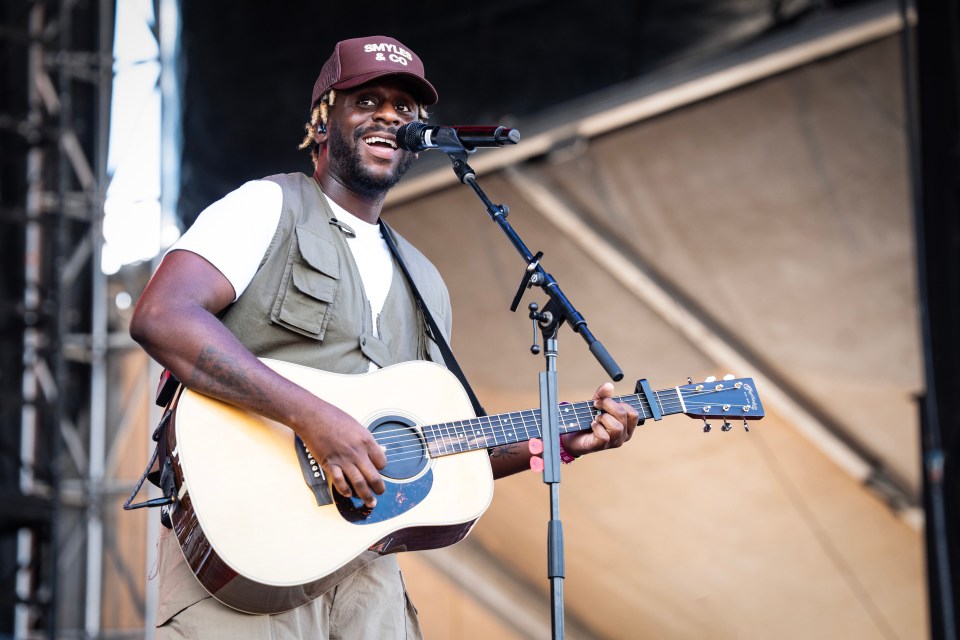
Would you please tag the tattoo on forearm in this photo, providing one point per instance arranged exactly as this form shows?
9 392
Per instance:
505 451
225 377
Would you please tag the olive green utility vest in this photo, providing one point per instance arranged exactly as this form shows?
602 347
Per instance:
306 304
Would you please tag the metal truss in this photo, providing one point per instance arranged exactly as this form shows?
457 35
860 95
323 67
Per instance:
61 413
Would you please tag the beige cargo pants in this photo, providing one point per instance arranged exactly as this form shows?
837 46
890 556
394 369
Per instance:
372 603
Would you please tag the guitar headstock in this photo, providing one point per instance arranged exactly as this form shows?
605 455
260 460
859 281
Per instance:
722 399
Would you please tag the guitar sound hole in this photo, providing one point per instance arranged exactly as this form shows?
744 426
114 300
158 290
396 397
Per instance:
406 450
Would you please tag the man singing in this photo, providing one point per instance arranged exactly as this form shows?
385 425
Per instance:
295 268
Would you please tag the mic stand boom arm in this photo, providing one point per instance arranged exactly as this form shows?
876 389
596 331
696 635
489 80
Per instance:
558 310
535 274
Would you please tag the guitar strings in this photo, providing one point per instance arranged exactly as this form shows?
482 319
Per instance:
671 405
483 427
482 432
583 414
440 446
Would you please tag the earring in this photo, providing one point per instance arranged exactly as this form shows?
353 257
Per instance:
322 127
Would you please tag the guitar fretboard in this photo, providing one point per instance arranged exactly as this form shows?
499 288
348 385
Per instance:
507 428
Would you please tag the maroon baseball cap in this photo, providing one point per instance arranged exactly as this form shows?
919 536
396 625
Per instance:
360 60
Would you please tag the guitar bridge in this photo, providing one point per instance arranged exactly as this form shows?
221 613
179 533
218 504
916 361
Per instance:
313 474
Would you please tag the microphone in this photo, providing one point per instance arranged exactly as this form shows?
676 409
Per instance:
417 136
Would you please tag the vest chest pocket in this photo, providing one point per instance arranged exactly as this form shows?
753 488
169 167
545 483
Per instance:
309 285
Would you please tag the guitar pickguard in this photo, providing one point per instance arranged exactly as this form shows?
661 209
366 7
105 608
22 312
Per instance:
399 498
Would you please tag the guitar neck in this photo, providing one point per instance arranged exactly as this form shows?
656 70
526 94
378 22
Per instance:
519 426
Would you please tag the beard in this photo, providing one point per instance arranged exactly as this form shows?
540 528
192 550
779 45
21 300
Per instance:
345 159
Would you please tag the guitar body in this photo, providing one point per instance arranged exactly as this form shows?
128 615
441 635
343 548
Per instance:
249 525
261 539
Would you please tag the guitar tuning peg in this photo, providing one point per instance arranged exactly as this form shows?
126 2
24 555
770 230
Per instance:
729 376
706 426
726 426
745 427
711 379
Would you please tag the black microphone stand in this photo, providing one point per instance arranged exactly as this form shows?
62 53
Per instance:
557 311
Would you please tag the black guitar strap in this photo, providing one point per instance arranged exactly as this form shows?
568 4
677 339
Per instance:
435 332
159 469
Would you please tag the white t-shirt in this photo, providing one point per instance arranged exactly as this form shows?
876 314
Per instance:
234 232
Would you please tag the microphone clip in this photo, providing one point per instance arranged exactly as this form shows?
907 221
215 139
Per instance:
446 139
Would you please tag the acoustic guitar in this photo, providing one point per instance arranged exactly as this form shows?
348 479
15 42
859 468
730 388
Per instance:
264 532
